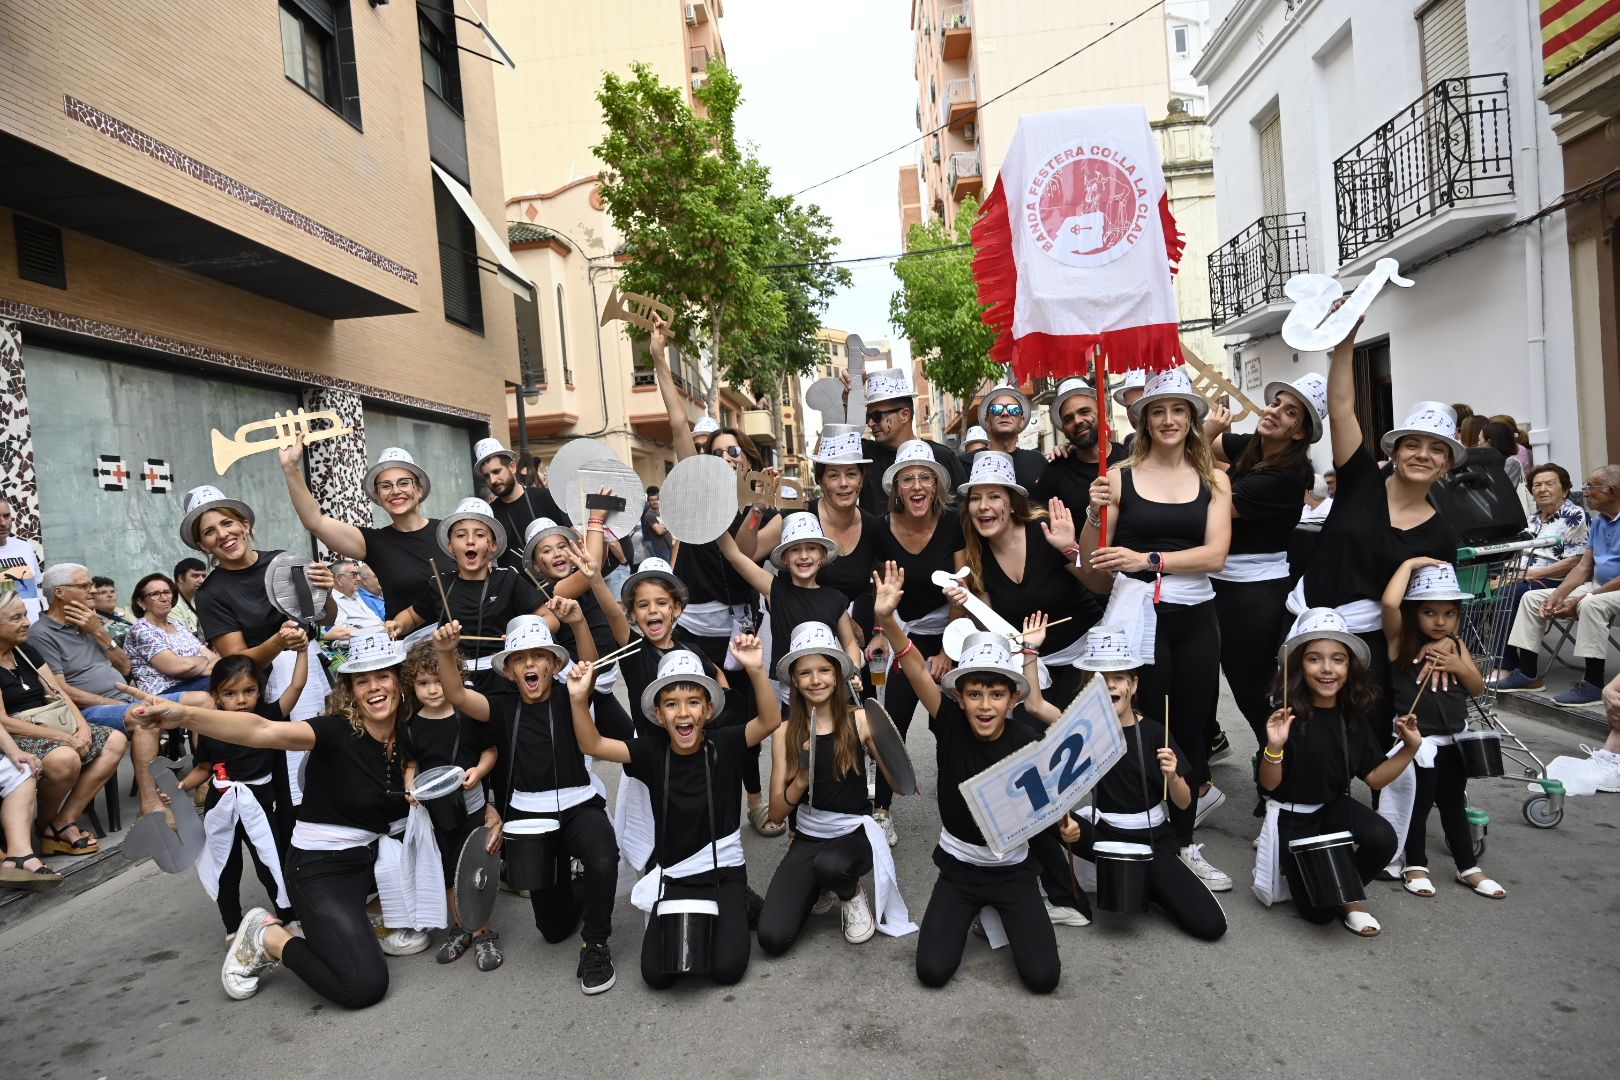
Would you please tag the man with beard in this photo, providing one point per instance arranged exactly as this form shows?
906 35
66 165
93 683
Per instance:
1004 414
515 504
1068 475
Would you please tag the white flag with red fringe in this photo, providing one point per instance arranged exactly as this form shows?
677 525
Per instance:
1077 247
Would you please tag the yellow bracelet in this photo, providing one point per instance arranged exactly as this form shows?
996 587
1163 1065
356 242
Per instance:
1266 753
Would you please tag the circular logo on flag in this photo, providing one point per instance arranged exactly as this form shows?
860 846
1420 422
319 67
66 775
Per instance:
1087 205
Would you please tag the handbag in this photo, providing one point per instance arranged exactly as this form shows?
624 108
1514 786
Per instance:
54 714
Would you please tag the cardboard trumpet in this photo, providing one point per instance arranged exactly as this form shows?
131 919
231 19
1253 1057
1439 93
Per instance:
285 428
1212 386
782 492
636 309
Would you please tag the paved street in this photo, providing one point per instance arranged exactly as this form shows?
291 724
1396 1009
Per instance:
123 982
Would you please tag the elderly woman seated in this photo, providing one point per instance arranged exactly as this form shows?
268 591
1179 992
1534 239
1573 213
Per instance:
164 656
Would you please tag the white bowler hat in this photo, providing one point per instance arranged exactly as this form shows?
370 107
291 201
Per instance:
1134 380
890 384
1434 419
373 651
706 425
680 666
992 467
1169 384
1310 388
1073 386
840 445
396 458
1316 623
975 434
472 509
916 452
1107 649
984 653
200 500
652 569
1006 390
484 449
1436 583
813 639
803 528
538 530
523 633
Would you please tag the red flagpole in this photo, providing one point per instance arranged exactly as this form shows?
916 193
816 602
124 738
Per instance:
1100 384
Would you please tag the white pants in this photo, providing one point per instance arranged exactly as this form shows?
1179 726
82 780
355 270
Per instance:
1592 621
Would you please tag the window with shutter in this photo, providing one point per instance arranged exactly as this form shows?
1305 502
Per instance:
1443 38
1273 193
458 262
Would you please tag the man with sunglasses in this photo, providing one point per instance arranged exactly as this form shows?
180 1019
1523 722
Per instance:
890 411
1004 414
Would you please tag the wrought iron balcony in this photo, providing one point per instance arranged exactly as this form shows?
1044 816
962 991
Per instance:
1450 147
1247 273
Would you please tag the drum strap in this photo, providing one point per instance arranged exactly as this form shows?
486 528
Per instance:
1141 765
663 819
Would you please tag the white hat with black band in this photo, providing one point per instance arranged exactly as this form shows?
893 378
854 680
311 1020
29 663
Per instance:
472 509
395 458
680 666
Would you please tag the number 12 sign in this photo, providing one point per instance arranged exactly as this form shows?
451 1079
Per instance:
1025 793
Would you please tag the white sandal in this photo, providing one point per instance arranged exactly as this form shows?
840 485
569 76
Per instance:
1485 886
1361 924
1420 885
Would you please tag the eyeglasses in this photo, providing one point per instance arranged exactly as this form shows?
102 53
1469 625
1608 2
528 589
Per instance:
1004 408
918 479
874 416
158 594
727 451
385 487
87 586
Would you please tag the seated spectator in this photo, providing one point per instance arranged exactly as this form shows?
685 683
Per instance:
72 767
104 597
164 657
371 590
20 868
18 563
354 614
189 574
1555 515
1588 594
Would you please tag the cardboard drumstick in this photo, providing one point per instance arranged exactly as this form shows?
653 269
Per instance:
444 599
1166 776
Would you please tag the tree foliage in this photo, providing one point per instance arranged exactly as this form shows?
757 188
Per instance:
938 306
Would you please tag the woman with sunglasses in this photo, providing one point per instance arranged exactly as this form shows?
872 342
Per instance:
890 421
1004 414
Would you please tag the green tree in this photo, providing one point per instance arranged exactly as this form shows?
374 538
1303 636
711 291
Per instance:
938 309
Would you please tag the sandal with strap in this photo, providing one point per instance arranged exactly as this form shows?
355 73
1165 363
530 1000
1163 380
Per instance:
18 876
52 842
486 951
1420 885
455 945
760 818
1361 924
1484 886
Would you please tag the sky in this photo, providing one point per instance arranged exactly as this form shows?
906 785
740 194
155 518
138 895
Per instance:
825 86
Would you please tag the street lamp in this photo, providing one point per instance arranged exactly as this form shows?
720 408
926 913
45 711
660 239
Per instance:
528 393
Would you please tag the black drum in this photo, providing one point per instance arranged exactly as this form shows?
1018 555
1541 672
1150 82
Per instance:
439 792
687 927
533 849
1122 873
1327 866
1481 753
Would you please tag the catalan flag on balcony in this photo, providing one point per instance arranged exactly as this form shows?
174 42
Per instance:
1571 30
1077 247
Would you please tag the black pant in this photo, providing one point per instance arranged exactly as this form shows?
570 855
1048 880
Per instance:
731 946
1374 839
339 956
1253 619
587 835
1186 668
740 704
959 894
900 702
1171 884
1445 786
1051 854
230 876
809 866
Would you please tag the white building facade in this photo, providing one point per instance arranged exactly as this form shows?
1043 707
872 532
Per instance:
1347 131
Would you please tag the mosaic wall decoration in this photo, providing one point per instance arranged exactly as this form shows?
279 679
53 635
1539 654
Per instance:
337 467
17 478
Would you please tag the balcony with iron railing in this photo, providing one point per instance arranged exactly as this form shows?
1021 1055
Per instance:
965 176
958 103
1247 274
1435 173
955 31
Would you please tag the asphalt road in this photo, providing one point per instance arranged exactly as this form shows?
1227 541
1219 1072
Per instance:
123 981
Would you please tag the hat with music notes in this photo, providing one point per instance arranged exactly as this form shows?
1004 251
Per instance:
1073 386
472 509
915 452
677 667
1003 397
396 458
840 445
523 633
706 425
803 528
1172 385
890 384
1134 380
652 568
1428 419
484 449
1311 388
538 530
1108 648
1319 624
975 434
200 500
373 651
813 639
1436 583
984 653
992 467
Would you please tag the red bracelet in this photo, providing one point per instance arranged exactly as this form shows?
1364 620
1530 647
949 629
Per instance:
1071 553
901 655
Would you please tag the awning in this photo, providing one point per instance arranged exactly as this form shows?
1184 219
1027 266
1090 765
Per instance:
507 270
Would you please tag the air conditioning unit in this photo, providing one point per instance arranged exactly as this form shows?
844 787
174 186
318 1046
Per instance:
699 81
691 15
970 132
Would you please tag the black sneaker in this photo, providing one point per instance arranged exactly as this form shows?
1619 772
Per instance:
1218 748
595 969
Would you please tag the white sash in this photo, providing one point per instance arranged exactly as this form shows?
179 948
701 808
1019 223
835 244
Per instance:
479 663
1064 657
1130 607
978 854
633 824
1360 616
410 878
1397 798
551 802
238 806
1148 819
1260 566
1270 886
473 797
712 618
727 851
930 625
892 917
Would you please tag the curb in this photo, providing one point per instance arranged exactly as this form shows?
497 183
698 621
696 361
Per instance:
1584 723
78 877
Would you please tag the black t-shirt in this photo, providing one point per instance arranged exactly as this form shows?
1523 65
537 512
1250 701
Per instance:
241 762
1123 789
1441 712
456 739
682 827
873 499
1047 586
640 668
792 605
851 574
845 794
534 502
1070 479
234 600
1268 503
922 595
960 754
351 780
400 561
529 759
483 607
1317 751
1358 550
597 619
23 688
707 575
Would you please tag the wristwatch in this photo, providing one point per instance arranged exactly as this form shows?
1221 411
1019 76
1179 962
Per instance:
1155 562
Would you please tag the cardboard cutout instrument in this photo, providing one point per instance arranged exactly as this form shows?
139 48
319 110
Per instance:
286 427
636 309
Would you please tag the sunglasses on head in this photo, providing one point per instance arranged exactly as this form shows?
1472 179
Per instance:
1004 408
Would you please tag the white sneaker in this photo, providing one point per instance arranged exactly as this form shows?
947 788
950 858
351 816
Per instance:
883 818
246 959
826 900
857 919
1213 879
404 942
1605 769
1064 916
1207 802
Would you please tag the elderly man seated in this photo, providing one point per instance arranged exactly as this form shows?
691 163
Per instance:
354 615
1589 594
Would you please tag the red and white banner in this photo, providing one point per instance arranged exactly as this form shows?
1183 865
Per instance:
1077 247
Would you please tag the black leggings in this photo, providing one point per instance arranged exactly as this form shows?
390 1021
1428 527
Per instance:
1171 884
1374 838
900 702
1253 620
1051 854
961 891
729 956
339 956
230 877
1445 786
587 835
1187 668
740 705
809 866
